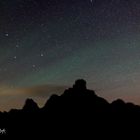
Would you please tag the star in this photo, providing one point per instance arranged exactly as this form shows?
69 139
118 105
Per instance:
15 57
41 54
6 34
17 46
42 24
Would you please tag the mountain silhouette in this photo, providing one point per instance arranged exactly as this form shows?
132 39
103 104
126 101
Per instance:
77 113
30 105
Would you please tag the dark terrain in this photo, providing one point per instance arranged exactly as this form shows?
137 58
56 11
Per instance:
78 113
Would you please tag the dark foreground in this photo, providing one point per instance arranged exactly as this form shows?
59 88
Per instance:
77 114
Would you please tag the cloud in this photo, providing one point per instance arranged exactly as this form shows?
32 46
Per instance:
15 97
43 90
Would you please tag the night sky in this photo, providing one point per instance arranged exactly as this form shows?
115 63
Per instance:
45 45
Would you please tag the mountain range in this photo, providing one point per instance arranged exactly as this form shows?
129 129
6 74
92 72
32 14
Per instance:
77 113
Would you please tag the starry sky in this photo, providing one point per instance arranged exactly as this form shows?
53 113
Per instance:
45 45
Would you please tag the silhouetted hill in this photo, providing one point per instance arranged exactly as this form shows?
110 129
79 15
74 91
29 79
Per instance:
30 105
77 113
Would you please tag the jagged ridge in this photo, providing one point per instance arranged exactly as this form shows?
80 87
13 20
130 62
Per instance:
78 108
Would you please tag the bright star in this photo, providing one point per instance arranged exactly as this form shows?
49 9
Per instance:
41 54
7 34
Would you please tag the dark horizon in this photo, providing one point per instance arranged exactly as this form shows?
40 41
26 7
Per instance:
78 112
40 94
79 90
